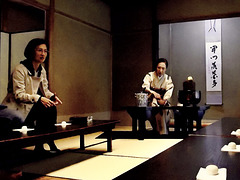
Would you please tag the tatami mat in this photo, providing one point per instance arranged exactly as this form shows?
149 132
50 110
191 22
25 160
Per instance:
99 168
137 148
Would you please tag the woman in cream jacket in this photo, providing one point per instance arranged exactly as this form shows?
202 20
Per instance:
28 92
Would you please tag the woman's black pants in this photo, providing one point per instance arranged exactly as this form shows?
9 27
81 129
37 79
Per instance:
42 119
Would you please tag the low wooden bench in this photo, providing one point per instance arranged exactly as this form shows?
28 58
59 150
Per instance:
16 139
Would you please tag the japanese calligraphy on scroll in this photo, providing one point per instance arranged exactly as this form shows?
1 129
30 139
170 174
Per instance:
213 62
213 66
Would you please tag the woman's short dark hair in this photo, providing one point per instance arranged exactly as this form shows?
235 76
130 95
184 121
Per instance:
159 61
29 51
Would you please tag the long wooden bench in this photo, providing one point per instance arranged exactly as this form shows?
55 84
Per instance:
17 139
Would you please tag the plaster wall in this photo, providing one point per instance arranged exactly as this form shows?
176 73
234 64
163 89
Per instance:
81 63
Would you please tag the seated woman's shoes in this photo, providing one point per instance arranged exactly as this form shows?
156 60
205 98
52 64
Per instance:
55 151
41 151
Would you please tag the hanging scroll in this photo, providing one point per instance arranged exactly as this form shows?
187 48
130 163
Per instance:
213 66
213 62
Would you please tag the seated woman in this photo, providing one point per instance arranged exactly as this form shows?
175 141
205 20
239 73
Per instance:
28 92
159 86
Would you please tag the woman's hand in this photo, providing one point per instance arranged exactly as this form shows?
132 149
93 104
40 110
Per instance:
57 100
162 102
47 102
156 95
